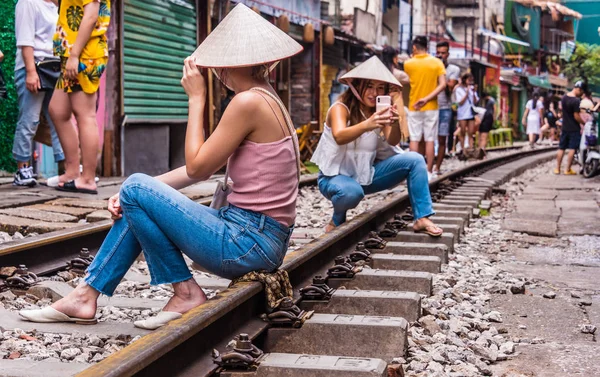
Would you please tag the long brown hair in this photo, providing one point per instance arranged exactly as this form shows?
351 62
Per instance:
349 99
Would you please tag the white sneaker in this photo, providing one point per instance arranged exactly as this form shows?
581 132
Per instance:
24 177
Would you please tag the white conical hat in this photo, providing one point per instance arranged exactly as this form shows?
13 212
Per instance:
372 69
244 39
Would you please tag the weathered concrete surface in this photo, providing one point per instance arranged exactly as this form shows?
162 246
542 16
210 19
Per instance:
417 248
302 365
366 302
406 262
408 236
465 215
73 211
13 224
76 202
343 335
11 196
388 280
44 368
36 214
534 227
10 320
99 215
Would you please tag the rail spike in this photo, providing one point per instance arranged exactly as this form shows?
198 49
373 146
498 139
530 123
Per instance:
287 314
318 290
82 262
375 242
360 254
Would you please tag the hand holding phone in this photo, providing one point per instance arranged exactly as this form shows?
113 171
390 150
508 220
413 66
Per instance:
383 102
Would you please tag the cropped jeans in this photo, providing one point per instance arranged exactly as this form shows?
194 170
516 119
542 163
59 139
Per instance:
163 223
345 193
30 107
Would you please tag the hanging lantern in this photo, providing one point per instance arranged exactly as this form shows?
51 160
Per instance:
283 22
256 9
309 33
329 36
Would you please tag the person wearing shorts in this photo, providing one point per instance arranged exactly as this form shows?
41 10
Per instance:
571 128
80 41
487 123
444 102
427 76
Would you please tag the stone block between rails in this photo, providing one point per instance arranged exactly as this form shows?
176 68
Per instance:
392 261
387 280
451 207
366 302
461 202
343 335
445 239
43 368
36 214
303 365
416 248
13 224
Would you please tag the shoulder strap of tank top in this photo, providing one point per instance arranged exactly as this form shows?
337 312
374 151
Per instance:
288 121
273 110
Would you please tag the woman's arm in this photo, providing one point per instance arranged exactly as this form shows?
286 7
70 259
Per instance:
342 134
541 111
88 22
525 114
462 101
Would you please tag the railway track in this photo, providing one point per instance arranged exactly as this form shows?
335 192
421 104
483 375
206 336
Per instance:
388 292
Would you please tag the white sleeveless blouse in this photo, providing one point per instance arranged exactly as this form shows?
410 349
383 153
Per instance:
355 159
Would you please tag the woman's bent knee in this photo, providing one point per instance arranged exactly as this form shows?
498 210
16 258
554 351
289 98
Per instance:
133 182
415 158
348 198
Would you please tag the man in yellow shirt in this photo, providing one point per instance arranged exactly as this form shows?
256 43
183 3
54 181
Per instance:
80 41
427 76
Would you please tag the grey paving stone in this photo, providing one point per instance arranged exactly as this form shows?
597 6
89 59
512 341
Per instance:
11 197
574 205
44 368
36 214
84 203
13 224
303 365
533 227
73 211
98 215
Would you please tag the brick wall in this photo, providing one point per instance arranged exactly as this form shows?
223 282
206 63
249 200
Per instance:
302 94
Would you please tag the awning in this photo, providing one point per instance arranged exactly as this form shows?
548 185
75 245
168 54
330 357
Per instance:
500 37
540 82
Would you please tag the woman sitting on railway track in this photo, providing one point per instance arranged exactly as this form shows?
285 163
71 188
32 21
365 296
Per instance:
257 140
355 154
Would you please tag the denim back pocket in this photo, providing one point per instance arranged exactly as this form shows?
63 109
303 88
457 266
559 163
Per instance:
253 260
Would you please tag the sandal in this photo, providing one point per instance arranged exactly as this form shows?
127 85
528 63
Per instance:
432 230
51 315
161 319
71 187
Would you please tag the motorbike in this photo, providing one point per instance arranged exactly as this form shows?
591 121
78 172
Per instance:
589 150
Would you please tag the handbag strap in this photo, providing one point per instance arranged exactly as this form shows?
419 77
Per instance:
288 121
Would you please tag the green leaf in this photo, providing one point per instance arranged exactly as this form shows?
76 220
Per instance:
74 17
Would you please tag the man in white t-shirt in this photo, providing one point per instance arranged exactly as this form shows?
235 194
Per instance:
35 24
445 102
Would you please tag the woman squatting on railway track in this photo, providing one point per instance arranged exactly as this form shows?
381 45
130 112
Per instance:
357 155
255 137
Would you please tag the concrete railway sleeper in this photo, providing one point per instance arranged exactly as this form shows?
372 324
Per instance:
360 293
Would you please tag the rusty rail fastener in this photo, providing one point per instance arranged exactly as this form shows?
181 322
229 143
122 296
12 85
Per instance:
318 290
341 269
389 231
398 223
82 262
287 314
22 279
244 356
360 254
375 242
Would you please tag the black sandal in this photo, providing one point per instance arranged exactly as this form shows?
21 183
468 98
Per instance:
70 187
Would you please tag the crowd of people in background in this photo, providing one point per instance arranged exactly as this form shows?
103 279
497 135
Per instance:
59 62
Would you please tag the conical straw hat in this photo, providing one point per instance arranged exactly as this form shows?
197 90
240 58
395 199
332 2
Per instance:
372 69
244 39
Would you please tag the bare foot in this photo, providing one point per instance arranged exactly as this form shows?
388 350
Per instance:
188 295
425 225
66 178
329 227
80 303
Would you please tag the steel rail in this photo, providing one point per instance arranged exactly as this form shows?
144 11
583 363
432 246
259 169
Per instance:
183 347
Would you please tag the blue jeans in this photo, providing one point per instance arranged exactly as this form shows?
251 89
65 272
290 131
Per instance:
345 193
163 223
30 107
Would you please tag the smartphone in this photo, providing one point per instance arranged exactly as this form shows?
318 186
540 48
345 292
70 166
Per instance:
383 102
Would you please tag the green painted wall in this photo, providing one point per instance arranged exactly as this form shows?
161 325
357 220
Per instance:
534 24
8 107
588 26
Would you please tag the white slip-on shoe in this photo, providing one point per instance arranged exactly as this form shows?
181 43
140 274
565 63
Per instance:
161 319
49 314
52 181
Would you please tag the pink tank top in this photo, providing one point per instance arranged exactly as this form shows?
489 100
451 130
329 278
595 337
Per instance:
265 178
